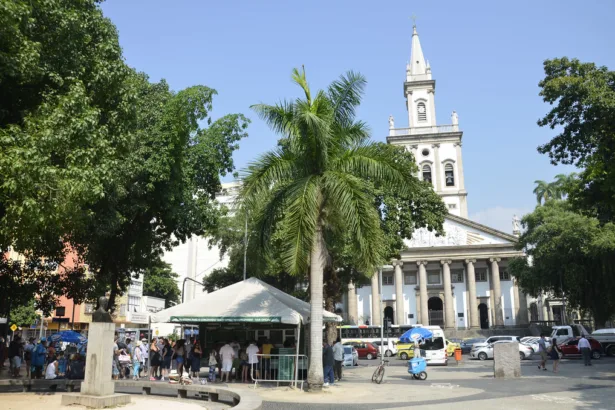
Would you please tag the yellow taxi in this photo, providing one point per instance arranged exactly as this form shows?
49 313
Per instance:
450 348
405 351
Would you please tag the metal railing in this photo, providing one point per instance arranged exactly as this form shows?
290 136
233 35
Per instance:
280 368
436 129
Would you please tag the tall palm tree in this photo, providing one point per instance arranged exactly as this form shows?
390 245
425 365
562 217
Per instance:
316 182
545 191
565 183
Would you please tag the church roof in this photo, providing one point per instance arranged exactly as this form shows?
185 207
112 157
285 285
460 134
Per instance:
418 69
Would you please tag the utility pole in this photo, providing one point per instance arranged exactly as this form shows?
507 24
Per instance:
245 247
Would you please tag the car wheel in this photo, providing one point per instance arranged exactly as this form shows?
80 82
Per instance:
388 353
369 356
403 356
521 356
482 356
611 351
596 354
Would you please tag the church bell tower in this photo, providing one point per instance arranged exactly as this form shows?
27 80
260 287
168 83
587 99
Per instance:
436 148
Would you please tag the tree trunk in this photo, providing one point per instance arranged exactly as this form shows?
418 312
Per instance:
317 263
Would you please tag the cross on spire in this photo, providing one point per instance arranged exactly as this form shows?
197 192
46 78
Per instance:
413 17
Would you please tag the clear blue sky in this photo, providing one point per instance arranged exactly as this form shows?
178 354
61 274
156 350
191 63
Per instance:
486 57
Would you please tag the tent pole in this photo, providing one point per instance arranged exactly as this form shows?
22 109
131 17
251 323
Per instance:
297 352
149 346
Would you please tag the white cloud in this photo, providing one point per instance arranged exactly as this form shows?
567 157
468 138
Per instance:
499 218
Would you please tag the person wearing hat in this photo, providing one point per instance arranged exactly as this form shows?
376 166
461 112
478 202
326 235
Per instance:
137 356
38 359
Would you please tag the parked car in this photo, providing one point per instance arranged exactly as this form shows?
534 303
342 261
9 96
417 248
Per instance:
570 348
451 347
388 349
405 351
466 345
532 341
486 352
364 349
351 357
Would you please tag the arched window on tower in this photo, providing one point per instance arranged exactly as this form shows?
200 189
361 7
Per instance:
427 173
449 175
421 110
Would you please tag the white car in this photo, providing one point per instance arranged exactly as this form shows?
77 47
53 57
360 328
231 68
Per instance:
387 349
351 357
532 341
486 352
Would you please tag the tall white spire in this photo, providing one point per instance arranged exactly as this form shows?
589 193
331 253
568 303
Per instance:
419 68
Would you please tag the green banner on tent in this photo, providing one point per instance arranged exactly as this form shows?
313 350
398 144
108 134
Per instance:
248 319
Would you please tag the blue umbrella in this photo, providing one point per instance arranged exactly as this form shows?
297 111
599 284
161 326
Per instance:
415 334
67 336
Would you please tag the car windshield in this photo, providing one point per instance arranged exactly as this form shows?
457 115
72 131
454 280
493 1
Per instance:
347 350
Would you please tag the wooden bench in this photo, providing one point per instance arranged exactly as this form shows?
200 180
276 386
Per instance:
27 384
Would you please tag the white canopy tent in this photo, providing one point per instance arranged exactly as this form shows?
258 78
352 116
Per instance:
251 301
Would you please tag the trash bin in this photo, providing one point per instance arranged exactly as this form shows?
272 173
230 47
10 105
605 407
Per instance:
458 354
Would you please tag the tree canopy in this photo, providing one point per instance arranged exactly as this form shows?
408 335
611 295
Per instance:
571 255
94 157
160 281
583 112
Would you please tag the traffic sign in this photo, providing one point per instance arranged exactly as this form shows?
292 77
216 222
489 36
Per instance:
13 327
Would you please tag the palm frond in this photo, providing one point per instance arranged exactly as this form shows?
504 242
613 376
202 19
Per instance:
300 79
301 217
355 211
345 95
279 117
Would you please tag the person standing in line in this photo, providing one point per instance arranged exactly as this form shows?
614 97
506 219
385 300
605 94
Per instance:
266 363
137 356
555 355
52 370
195 359
226 354
27 355
180 354
167 354
338 356
38 359
15 356
586 350
213 365
154 359
328 362
144 357
542 351
244 365
252 352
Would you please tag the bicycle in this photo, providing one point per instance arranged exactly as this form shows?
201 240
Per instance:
378 375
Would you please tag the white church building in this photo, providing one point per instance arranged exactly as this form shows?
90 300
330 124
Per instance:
459 280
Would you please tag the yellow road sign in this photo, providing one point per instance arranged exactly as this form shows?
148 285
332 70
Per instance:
156 332
13 327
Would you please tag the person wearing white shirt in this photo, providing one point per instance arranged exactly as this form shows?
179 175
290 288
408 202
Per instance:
227 354
586 350
52 371
252 352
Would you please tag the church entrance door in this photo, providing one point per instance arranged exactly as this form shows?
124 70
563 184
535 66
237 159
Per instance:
436 311
388 314
483 312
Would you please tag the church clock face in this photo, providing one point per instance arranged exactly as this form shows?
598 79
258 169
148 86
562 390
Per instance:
421 109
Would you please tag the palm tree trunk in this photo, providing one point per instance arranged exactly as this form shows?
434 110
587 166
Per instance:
317 263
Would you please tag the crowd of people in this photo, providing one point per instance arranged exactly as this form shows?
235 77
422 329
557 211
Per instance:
43 359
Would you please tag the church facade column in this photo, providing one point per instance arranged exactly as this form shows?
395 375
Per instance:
497 292
545 309
473 305
352 310
399 293
376 311
437 166
449 311
423 292
520 305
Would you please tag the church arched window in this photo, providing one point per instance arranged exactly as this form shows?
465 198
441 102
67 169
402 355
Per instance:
449 175
421 110
427 173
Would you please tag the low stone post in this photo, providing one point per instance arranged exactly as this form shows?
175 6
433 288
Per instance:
506 361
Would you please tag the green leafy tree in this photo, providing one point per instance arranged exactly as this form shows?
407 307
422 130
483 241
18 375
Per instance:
583 112
317 182
160 281
571 255
545 191
24 315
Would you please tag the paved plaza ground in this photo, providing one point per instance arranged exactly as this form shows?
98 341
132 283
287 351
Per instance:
468 386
